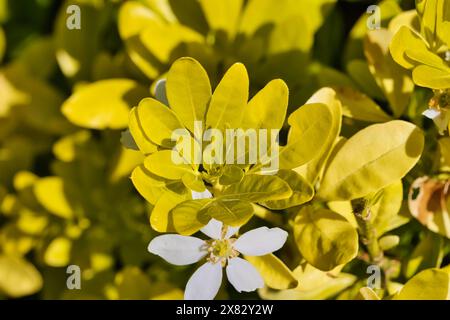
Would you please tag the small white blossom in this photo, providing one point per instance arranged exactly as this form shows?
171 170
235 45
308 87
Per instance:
440 117
221 251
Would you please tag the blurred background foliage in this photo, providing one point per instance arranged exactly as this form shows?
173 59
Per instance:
65 193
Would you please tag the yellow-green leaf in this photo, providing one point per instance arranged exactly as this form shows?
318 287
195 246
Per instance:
51 195
275 273
152 187
135 138
432 77
427 254
58 251
188 91
430 284
229 100
190 216
397 86
372 159
368 294
357 105
408 49
310 128
165 41
153 123
161 218
267 109
231 212
258 188
325 239
302 191
18 277
104 104
222 16
161 164
313 170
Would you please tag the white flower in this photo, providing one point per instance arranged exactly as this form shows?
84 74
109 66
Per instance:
440 117
221 252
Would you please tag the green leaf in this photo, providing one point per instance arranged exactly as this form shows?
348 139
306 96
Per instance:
313 170
188 91
257 188
133 284
430 284
388 242
36 103
222 16
58 252
103 104
133 19
231 212
325 239
231 174
161 217
372 159
275 273
302 191
358 106
385 213
429 253
190 216
152 187
193 181
359 71
432 77
18 277
409 50
153 123
165 41
136 137
267 109
310 128
229 100
51 195
368 294
313 284
161 164
397 86
259 13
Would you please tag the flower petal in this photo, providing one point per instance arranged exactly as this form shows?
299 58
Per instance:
261 241
204 283
243 275
431 113
214 230
231 232
178 250
201 195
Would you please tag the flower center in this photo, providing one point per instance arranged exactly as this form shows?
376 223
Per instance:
221 250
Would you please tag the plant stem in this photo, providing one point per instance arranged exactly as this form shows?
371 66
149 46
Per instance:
368 232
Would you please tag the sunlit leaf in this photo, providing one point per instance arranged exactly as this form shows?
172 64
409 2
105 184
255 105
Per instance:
103 104
324 238
372 159
18 277
275 273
